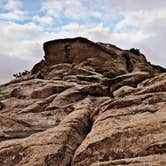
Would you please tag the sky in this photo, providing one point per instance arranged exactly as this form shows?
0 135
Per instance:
26 24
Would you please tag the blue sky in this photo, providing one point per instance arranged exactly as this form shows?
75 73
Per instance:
26 24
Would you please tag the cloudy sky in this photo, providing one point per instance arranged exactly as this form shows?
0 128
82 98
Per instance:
26 24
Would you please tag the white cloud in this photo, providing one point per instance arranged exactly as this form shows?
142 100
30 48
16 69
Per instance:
76 10
22 44
95 32
134 5
141 18
52 8
21 47
43 19
12 10
15 15
20 40
144 29
12 5
2 2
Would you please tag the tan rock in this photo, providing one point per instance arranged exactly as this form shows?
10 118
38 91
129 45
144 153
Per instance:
85 104
134 126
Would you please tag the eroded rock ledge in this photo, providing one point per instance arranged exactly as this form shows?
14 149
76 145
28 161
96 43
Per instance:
85 104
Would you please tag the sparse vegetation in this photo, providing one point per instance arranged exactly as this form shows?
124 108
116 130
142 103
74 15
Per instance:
135 51
18 75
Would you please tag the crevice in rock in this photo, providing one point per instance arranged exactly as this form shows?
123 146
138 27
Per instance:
68 150
68 53
156 149
129 64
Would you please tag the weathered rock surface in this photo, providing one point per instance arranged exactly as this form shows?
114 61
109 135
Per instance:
85 104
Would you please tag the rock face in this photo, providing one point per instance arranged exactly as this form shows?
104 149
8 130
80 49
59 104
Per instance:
85 104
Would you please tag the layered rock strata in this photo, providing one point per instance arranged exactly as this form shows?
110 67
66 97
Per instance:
85 104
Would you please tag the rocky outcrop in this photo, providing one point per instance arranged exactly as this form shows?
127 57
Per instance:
85 104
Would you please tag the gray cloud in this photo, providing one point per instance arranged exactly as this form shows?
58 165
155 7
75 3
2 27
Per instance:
12 65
